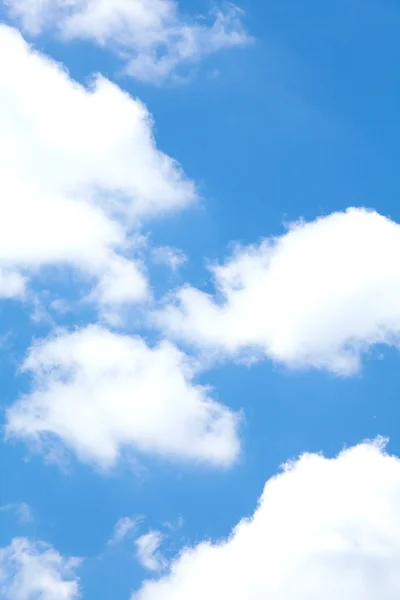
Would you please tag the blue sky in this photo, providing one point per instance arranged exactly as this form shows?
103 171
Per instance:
190 321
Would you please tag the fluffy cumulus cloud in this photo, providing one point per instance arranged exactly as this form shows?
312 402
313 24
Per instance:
33 571
322 529
318 296
104 394
79 172
152 35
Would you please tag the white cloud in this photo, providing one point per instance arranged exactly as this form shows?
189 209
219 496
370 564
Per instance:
323 529
33 571
152 35
318 296
102 393
147 551
21 509
12 283
122 528
79 172
170 257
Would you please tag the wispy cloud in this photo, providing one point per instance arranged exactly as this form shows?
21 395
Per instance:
147 551
23 511
152 36
124 527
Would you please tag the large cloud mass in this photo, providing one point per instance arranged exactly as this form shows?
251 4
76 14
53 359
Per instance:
318 296
35 571
323 529
79 170
102 393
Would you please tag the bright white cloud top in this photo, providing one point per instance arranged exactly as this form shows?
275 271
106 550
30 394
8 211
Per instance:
323 529
29 571
104 394
79 170
153 36
318 296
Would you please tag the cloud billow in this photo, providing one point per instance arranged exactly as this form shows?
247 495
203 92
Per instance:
105 395
323 528
318 296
